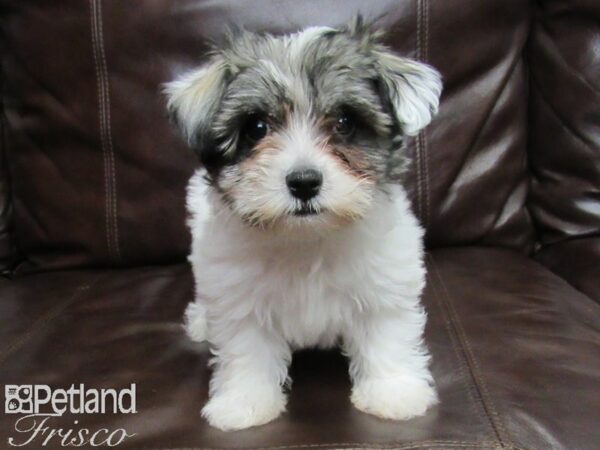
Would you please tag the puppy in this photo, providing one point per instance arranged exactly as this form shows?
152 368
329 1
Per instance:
302 234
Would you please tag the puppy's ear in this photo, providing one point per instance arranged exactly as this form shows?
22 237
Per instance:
412 88
193 100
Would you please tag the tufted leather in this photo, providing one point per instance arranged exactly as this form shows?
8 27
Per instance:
505 179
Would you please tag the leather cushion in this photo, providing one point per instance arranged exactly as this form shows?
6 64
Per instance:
516 357
7 245
565 139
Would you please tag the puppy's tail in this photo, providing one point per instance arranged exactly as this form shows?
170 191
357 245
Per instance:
195 322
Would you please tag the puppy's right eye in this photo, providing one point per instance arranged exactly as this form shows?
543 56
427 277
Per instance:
255 128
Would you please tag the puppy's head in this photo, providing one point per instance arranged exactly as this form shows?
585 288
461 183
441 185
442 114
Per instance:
300 131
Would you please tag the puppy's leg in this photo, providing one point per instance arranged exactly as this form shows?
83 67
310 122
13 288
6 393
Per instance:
195 321
250 370
389 364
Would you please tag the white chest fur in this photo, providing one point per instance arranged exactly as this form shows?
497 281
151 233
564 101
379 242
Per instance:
308 290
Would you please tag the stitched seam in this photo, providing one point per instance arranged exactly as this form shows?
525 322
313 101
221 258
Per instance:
419 141
100 88
111 152
473 365
43 321
105 130
466 378
362 445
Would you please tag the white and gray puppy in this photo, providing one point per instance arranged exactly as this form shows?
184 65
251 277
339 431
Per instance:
302 232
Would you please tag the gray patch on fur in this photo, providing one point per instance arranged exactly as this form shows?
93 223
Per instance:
333 70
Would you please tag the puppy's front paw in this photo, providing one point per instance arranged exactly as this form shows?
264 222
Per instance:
239 409
398 398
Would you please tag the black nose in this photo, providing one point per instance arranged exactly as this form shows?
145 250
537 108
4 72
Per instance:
304 184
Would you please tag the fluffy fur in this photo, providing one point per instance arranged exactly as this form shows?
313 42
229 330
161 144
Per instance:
276 273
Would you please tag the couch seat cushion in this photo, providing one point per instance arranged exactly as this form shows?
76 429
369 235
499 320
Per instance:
516 357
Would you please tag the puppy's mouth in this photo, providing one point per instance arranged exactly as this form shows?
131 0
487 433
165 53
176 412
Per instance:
306 209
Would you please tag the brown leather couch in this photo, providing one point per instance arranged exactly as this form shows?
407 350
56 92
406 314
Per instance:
506 180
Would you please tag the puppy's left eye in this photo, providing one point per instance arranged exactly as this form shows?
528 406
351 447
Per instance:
345 125
255 128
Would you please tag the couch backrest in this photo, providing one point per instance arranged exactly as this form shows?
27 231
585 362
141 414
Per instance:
98 173
564 144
